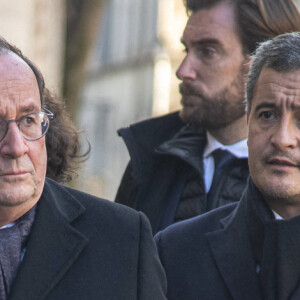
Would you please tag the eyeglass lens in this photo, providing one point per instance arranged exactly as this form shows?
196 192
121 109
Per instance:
32 126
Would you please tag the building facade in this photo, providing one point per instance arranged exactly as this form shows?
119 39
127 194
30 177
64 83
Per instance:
131 77
37 27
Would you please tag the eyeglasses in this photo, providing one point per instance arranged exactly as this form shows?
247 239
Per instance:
32 126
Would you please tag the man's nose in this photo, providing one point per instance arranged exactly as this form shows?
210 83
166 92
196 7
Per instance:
286 136
13 145
186 70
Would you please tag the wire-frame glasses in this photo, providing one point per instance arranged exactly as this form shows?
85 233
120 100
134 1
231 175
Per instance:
32 126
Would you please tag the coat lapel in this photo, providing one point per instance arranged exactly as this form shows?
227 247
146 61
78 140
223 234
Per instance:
53 245
232 252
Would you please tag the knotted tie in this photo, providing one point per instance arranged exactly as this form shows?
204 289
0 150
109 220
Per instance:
222 158
12 242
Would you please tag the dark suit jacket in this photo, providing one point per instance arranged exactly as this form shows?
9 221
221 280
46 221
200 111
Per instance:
164 152
210 257
82 247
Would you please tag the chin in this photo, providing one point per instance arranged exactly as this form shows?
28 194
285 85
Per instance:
191 115
16 196
279 190
186 113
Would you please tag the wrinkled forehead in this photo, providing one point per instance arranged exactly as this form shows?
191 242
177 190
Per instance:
282 89
12 66
18 84
216 24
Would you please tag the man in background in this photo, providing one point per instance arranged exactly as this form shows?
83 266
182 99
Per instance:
56 242
250 250
184 164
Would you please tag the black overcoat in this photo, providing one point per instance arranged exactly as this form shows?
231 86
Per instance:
83 247
210 257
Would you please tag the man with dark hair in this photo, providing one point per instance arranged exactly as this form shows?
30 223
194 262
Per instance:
185 164
55 242
250 250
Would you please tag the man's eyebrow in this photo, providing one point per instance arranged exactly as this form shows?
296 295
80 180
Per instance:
206 41
203 41
28 109
265 105
273 105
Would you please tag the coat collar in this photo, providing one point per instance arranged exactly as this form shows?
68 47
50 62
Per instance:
144 137
53 245
232 251
160 203
188 145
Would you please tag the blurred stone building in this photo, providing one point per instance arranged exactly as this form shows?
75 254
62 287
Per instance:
131 77
37 28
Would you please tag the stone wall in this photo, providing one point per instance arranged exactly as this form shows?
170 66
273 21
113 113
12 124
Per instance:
37 28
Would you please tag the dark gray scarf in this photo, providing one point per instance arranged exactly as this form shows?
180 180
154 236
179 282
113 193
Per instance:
276 245
12 244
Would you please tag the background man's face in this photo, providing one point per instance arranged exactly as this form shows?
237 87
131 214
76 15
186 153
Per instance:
22 163
274 135
213 71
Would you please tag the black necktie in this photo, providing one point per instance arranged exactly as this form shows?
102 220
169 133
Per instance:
12 242
222 158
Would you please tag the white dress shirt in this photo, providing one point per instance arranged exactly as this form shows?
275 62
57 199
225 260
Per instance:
277 216
8 225
239 150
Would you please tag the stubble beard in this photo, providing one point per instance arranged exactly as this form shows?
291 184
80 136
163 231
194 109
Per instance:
279 195
283 190
214 112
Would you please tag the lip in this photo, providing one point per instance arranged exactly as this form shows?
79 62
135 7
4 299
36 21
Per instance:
14 173
281 162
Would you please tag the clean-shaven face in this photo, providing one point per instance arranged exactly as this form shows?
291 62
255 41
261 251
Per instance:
22 163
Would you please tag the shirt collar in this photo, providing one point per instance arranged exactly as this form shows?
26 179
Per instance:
239 149
277 216
8 225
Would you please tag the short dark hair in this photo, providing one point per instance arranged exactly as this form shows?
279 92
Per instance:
257 20
281 54
62 139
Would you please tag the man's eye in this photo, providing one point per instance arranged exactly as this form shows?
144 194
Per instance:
207 53
266 115
28 120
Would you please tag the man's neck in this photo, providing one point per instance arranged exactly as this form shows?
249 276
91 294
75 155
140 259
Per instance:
285 211
11 214
232 133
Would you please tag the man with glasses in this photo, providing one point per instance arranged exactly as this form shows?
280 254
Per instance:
55 242
32 126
